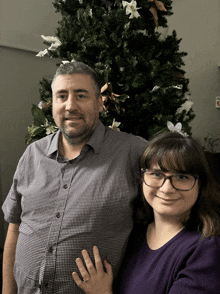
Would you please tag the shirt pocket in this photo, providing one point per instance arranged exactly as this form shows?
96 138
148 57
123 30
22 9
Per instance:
25 229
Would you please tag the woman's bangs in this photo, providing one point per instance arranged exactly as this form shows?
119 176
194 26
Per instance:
173 160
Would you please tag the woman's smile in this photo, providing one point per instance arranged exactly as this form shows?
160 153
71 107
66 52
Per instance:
168 200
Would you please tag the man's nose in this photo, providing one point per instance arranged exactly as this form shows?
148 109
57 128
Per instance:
71 103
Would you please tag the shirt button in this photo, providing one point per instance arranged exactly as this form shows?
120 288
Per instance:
65 186
58 215
50 249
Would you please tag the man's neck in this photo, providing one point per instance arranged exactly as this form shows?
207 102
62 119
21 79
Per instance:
69 150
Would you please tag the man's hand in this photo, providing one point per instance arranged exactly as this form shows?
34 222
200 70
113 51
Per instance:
95 279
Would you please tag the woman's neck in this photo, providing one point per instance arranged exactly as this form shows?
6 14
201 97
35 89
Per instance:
160 232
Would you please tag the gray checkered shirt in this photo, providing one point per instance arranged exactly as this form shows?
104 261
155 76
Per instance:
64 206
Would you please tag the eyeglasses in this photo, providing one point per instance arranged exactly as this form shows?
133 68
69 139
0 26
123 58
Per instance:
156 179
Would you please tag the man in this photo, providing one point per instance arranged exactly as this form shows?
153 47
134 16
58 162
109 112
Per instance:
71 190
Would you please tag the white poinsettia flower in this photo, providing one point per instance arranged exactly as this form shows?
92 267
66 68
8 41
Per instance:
131 8
42 53
40 104
176 129
185 106
115 125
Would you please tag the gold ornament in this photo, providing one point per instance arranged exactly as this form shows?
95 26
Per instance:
110 99
156 5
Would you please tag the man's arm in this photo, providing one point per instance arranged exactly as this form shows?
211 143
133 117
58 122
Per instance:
9 284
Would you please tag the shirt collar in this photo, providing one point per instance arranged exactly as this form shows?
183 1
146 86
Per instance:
53 143
97 137
94 141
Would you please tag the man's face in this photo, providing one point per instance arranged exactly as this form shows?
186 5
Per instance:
75 107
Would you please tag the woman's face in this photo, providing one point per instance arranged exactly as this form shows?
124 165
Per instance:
167 201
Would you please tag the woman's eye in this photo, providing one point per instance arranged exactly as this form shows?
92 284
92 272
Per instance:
157 175
182 177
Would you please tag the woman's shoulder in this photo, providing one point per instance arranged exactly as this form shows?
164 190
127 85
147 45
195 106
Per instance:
209 248
196 264
193 249
194 239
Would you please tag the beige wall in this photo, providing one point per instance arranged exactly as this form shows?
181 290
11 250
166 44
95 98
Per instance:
20 74
22 23
198 24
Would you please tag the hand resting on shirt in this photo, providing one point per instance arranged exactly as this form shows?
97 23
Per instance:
95 279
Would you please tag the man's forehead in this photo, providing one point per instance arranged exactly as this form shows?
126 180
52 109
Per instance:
70 80
73 76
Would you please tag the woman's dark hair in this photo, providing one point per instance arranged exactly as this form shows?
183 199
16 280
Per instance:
177 153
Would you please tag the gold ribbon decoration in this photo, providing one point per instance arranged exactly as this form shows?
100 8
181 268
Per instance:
47 105
110 99
156 5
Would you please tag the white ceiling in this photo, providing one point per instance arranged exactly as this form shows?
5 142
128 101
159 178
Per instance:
22 22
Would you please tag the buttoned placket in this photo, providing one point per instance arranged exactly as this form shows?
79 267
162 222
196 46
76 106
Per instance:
49 265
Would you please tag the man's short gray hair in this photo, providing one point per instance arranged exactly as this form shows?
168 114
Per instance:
78 68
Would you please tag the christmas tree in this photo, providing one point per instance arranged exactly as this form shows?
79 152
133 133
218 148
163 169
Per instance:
140 69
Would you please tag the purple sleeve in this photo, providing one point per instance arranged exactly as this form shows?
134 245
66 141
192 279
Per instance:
201 272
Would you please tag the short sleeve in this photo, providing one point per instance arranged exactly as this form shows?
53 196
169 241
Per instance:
200 271
12 204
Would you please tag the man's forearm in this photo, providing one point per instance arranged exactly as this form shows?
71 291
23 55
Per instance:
9 284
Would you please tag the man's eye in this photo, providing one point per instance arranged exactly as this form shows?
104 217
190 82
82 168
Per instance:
62 97
81 96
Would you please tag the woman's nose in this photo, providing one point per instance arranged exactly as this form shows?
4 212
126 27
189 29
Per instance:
167 187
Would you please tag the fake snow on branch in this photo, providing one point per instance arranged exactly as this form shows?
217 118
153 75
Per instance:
185 106
54 44
178 87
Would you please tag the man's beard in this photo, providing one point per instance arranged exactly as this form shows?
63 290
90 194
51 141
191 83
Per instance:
78 136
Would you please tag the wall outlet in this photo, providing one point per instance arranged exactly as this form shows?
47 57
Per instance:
217 102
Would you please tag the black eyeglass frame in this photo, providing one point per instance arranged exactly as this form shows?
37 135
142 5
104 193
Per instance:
196 177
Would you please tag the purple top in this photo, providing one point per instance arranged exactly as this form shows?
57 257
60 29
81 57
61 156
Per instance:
184 265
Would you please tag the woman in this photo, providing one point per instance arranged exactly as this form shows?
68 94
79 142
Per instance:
176 246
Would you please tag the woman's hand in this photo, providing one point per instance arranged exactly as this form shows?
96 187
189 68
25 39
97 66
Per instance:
95 279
